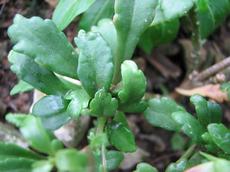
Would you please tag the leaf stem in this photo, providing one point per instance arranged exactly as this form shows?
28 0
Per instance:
100 129
188 153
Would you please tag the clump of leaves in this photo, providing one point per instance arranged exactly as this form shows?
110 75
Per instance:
97 78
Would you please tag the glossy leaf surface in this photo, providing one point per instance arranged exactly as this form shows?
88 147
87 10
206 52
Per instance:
133 83
52 111
166 10
95 68
210 14
41 40
221 136
35 75
207 112
121 137
103 104
189 125
67 10
161 109
131 19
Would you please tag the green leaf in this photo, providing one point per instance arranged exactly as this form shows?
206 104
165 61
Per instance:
120 117
121 137
95 68
207 112
221 136
189 125
49 105
97 140
8 150
159 34
35 75
99 10
108 31
215 165
226 88
67 10
210 14
33 131
21 87
113 159
177 142
167 11
52 111
131 19
138 107
133 83
103 104
16 165
79 94
177 167
71 160
42 166
209 143
144 167
41 40
160 109
79 100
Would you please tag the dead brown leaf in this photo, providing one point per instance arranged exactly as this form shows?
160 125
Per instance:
211 91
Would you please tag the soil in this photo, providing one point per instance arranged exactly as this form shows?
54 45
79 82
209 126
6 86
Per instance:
165 69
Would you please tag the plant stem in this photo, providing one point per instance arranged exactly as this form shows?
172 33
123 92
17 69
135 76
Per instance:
188 153
100 129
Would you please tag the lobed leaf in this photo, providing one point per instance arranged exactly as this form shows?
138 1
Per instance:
133 83
35 75
95 68
220 136
41 40
189 125
121 137
161 109
207 112
108 31
103 104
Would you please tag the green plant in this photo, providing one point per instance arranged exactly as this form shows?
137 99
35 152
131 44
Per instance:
110 85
